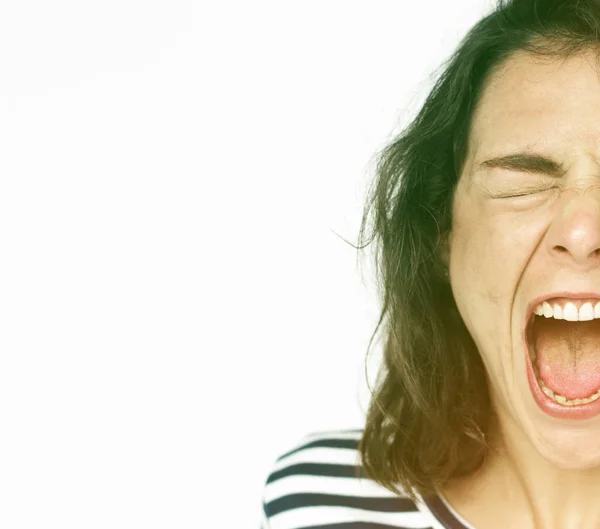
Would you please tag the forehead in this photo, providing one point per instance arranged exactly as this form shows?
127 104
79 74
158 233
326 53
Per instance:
529 102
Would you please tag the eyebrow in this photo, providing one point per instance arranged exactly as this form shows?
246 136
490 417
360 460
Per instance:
525 162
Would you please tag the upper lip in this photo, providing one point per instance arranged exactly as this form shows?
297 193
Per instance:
564 294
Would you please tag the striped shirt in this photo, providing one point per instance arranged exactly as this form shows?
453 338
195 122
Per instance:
315 485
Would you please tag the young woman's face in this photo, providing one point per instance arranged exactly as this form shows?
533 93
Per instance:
526 229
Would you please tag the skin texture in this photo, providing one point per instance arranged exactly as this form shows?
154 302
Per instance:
543 472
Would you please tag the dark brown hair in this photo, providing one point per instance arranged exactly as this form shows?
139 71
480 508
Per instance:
430 410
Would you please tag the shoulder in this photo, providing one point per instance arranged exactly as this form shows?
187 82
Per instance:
319 482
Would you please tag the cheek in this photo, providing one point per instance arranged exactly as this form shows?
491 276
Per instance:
479 260
488 254
486 264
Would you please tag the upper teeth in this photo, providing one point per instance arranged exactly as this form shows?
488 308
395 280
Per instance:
569 311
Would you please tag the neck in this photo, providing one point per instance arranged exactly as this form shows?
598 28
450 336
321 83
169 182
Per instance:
516 487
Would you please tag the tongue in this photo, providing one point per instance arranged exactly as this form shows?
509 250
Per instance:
568 356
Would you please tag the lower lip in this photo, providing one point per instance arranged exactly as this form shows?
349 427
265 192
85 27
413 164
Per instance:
550 406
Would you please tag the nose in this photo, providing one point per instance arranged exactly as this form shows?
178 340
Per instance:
574 236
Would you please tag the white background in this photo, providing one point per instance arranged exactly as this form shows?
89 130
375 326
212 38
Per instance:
176 309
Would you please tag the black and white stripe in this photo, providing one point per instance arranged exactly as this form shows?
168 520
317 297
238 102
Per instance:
318 484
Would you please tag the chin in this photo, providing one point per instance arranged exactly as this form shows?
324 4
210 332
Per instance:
569 449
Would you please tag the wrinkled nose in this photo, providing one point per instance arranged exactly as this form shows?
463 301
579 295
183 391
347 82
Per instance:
574 237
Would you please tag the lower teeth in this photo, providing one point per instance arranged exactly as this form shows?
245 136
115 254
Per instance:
561 399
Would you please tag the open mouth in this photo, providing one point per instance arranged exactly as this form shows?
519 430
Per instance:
565 359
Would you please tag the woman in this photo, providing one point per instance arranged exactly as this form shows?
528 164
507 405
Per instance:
486 213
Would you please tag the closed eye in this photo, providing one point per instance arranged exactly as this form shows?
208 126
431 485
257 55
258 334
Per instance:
527 193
